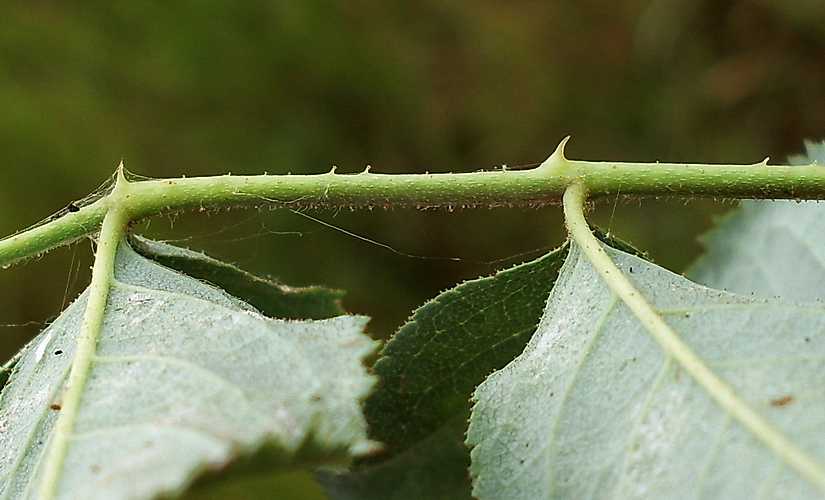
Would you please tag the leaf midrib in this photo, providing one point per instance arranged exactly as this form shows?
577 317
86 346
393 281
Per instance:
715 387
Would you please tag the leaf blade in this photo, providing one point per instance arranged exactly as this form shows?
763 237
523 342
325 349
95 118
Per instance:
226 383
629 423
428 371
268 296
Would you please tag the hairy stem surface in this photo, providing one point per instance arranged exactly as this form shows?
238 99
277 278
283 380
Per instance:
542 185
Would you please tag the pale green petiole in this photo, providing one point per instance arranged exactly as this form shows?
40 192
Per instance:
771 437
114 229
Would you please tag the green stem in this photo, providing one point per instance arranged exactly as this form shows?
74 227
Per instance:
114 228
542 185
724 395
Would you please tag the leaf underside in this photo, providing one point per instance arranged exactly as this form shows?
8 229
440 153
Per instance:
594 408
267 296
770 248
186 379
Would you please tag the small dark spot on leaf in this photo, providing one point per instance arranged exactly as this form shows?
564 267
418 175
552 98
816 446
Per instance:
781 401
71 207
95 469
54 406
631 269
58 352
807 339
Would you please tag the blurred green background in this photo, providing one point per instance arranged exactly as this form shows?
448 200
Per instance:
209 87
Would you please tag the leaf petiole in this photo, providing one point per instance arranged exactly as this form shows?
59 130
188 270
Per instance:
112 233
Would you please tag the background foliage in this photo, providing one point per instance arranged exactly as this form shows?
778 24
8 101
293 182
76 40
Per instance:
195 88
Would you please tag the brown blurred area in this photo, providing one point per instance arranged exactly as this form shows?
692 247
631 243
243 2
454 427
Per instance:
200 88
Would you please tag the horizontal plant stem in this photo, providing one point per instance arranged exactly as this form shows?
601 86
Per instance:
539 186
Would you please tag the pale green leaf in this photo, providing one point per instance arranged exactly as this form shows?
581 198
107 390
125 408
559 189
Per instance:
186 379
769 248
594 408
